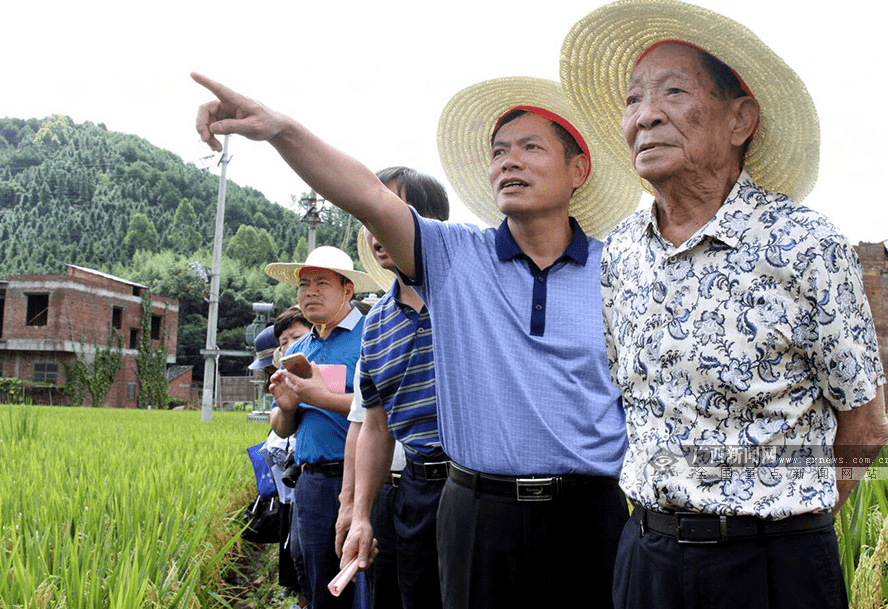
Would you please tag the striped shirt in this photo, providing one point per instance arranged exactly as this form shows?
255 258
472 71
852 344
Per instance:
398 373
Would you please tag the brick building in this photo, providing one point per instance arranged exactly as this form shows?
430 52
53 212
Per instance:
48 321
874 262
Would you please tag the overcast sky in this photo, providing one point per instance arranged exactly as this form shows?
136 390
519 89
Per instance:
373 77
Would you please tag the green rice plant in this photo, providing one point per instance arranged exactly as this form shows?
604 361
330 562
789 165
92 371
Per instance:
862 528
20 423
110 508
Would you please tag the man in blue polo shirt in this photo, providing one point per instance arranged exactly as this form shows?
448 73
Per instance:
315 412
526 408
398 389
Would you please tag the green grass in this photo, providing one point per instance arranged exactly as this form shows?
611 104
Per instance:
119 508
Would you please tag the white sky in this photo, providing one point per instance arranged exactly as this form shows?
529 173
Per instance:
373 77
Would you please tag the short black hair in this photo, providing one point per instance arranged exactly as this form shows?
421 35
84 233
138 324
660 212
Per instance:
288 318
423 192
571 146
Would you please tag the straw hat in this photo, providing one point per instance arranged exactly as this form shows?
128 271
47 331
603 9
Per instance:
323 257
611 192
380 276
600 53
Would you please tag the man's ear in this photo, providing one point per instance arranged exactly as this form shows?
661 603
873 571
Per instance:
746 119
581 166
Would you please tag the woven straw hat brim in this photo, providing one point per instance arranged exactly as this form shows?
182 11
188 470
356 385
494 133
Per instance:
464 130
600 52
380 276
288 272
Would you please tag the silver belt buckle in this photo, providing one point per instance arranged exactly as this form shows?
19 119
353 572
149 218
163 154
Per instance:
535 489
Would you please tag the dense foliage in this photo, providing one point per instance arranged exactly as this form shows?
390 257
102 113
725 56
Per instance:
80 194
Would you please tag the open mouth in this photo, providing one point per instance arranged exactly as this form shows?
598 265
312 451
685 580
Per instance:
512 183
647 146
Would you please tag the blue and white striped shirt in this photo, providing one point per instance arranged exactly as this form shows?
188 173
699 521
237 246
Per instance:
398 373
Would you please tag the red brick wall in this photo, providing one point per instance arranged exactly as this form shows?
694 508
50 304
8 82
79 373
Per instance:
874 263
80 307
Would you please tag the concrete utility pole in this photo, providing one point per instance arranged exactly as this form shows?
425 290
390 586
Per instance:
211 353
312 217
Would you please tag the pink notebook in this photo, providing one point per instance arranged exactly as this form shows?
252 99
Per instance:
334 376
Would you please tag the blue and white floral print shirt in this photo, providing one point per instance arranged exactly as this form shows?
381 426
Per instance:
733 351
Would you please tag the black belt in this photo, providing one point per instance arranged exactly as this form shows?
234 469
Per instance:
429 471
693 527
529 488
331 469
393 478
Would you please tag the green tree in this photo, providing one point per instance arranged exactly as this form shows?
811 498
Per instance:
301 251
183 236
252 246
141 234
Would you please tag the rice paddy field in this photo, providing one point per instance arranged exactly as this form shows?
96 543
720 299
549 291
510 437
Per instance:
125 509
119 508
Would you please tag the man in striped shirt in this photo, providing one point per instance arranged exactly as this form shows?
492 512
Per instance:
398 388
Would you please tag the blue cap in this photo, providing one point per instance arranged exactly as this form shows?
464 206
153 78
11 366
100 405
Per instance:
265 343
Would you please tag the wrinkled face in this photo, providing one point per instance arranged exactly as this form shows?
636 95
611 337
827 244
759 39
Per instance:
322 296
528 171
675 123
291 335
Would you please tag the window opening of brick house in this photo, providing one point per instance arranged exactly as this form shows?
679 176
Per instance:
37 311
155 326
116 317
45 372
134 338
130 391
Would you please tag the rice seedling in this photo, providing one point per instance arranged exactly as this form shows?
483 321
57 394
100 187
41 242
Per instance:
119 508
862 527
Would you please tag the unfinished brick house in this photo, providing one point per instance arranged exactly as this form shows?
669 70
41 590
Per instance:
874 263
48 321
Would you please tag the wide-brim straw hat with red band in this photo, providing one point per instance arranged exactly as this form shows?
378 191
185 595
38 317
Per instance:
380 276
601 51
611 192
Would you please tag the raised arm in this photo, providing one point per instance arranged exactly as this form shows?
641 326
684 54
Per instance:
337 177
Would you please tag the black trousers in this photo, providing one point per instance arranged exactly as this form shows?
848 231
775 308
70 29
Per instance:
782 572
496 552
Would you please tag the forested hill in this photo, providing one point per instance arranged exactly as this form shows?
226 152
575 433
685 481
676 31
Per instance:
80 194
69 192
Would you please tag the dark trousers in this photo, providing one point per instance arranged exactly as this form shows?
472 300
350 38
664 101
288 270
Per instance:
416 514
781 572
316 504
286 569
382 576
496 552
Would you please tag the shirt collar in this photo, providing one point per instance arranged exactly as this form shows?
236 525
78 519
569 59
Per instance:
577 250
348 322
719 226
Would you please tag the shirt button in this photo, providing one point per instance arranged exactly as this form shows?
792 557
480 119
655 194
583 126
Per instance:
541 279
420 330
539 307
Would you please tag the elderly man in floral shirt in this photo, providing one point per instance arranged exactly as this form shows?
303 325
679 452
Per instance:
737 326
